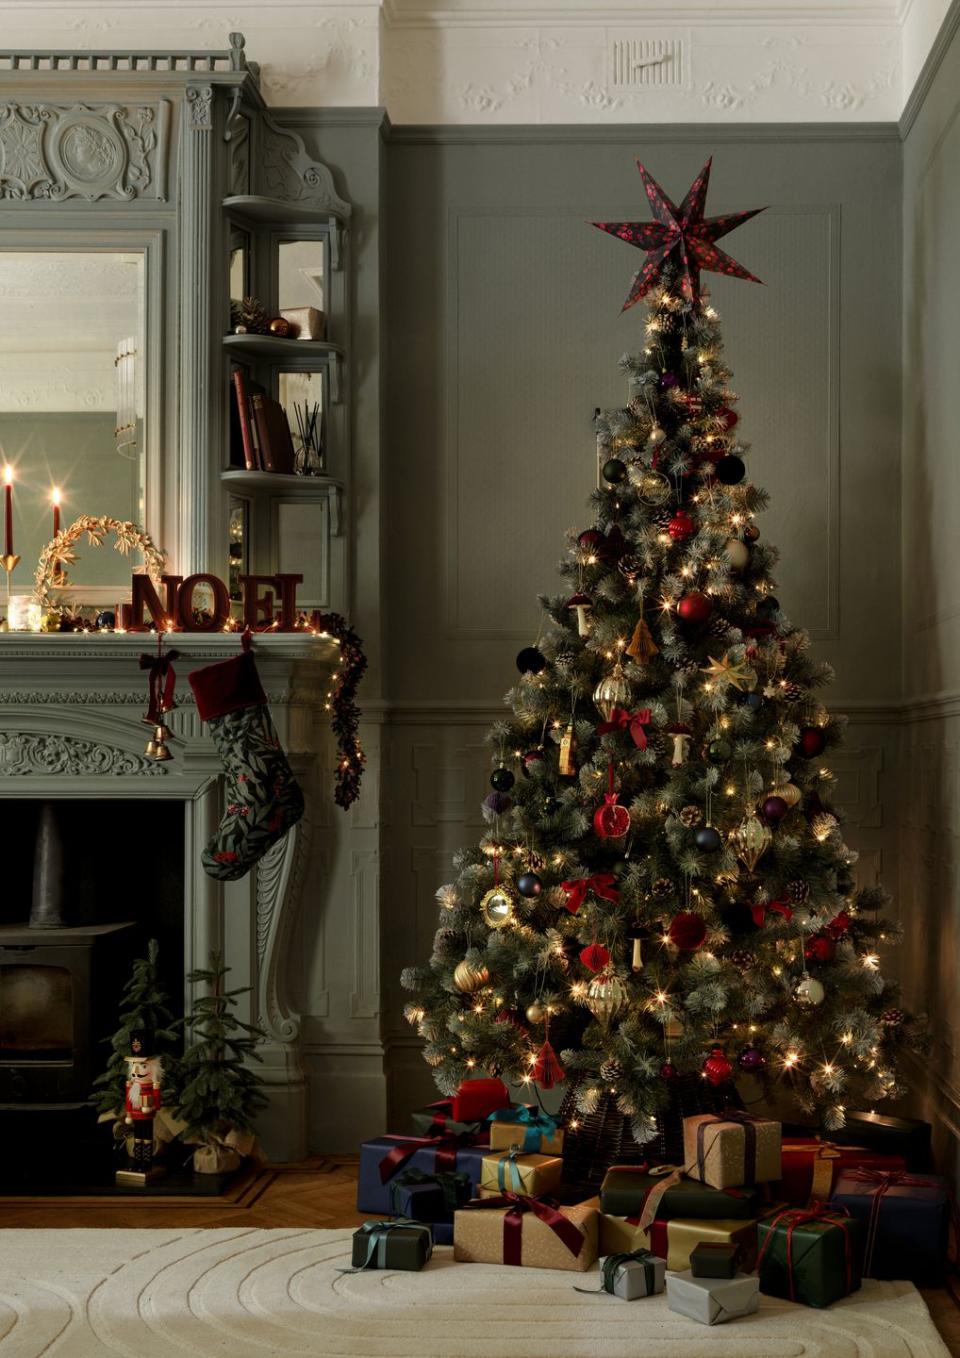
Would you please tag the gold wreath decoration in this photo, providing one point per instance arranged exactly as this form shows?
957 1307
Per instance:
59 551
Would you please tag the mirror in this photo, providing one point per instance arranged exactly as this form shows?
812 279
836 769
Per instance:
301 274
72 400
302 396
239 264
497 907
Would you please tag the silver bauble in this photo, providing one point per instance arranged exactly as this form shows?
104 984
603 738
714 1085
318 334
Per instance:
808 991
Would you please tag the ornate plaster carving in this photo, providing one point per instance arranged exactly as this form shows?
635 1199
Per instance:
90 151
279 880
290 173
26 754
200 104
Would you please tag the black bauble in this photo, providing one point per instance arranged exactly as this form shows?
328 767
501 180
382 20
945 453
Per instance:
531 660
708 839
720 750
731 469
502 780
106 620
614 471
529 884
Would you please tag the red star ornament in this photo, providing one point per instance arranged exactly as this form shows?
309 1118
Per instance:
679 235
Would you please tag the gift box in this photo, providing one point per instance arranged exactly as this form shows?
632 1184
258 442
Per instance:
442 1232
617 1235
712 1301
510 1229
477 1099
905 1219
731 1149
633 1275
392 1244
429 1197
676 1240
890 1136
382 1159
811 1167
626 1191
307 321
437 1119
811 1255
512 1172
535 1132
714 1259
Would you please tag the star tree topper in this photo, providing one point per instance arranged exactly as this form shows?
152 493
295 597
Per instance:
681 235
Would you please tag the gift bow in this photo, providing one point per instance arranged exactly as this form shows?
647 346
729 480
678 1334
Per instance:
763 908
622 720
562 1227
455 1186
882 1181
792 1217
163 679
601 884
537 1125
445 1144
376 1242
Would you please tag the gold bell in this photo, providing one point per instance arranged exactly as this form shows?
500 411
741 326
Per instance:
156 747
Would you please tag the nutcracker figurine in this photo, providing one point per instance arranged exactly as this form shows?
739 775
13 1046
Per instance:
142 1100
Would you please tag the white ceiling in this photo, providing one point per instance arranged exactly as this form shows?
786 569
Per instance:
54 303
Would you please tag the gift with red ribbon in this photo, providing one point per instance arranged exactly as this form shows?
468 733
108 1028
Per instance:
533 1232
633 722
602 884
906 1220
383 1158
811 1167
438 1117
812 1255
476 1099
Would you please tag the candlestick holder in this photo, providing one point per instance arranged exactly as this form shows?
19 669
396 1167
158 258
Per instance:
9 561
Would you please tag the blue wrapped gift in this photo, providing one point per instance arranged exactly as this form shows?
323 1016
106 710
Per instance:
386 1157
906 1222
442 1232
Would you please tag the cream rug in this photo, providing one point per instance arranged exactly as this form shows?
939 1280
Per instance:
277 1294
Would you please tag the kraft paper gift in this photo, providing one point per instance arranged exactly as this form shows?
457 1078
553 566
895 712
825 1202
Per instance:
511 1172
731 1149
534 1131
510 1229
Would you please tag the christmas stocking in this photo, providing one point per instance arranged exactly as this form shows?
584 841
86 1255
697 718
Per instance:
263 797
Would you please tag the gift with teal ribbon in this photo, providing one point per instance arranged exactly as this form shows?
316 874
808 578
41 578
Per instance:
534 1130
399 1244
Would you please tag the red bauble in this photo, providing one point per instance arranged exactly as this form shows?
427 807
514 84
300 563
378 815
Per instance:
717 1068
839 925
694 607
820 948
687 931
610 820
728 418
591 540
595 957
812 741
669 1072
681 526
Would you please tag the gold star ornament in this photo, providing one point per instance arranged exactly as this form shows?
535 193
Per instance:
736 673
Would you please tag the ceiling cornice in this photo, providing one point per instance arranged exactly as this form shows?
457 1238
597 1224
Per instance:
574 13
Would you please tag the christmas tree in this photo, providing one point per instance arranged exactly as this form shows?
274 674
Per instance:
219 1093
144 1008
663 888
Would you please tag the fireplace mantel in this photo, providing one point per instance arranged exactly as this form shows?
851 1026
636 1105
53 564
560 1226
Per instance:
71 727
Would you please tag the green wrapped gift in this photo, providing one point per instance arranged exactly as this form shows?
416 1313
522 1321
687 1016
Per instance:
811 1255
400 1244
626 1189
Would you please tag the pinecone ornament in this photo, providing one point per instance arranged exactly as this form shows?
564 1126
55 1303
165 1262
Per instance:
662 887
691 816
611 1071
630 565
799 891
791 693
249 316
892 1018
719 627
742 958
662 517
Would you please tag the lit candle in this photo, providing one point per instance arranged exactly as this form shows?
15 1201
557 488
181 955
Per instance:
8 498
55 497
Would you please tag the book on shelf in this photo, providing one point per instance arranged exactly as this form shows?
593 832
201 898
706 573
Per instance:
242 424
273 431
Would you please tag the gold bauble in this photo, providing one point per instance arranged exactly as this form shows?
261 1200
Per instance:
469 978
612 691
535 1012
606 996
789 792
751 839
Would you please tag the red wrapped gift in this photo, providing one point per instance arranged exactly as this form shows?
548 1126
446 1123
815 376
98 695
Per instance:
811 1167
476 1099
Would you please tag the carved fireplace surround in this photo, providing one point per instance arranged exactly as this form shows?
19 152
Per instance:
71 727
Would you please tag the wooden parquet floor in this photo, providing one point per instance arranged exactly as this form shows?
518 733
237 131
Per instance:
320 1192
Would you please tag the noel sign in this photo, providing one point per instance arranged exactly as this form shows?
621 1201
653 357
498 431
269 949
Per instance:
268 601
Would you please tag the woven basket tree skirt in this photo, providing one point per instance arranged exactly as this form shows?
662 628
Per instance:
259 1293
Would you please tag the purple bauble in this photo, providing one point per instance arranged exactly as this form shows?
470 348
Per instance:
497 802
774 810
668 380
751 1058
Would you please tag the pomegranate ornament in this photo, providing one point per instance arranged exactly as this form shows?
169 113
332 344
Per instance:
611 821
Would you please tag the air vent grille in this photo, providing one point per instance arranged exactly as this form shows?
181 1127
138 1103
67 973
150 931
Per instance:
637 63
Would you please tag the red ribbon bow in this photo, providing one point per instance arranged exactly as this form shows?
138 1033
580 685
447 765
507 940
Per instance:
792 1217
763 908
562 1227
601 884
163 679
406 1148
621 720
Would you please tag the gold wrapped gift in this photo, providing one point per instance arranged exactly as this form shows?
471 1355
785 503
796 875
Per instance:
618 1235
531 1175
731 1150
505 1134
675 1240
482 1236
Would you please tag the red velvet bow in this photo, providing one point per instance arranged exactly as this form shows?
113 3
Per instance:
762 908
792 1217
544 1211
621 720
601 884
163 678
446 1147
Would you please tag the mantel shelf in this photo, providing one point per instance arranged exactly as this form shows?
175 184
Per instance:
266 211
280 482
279 350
